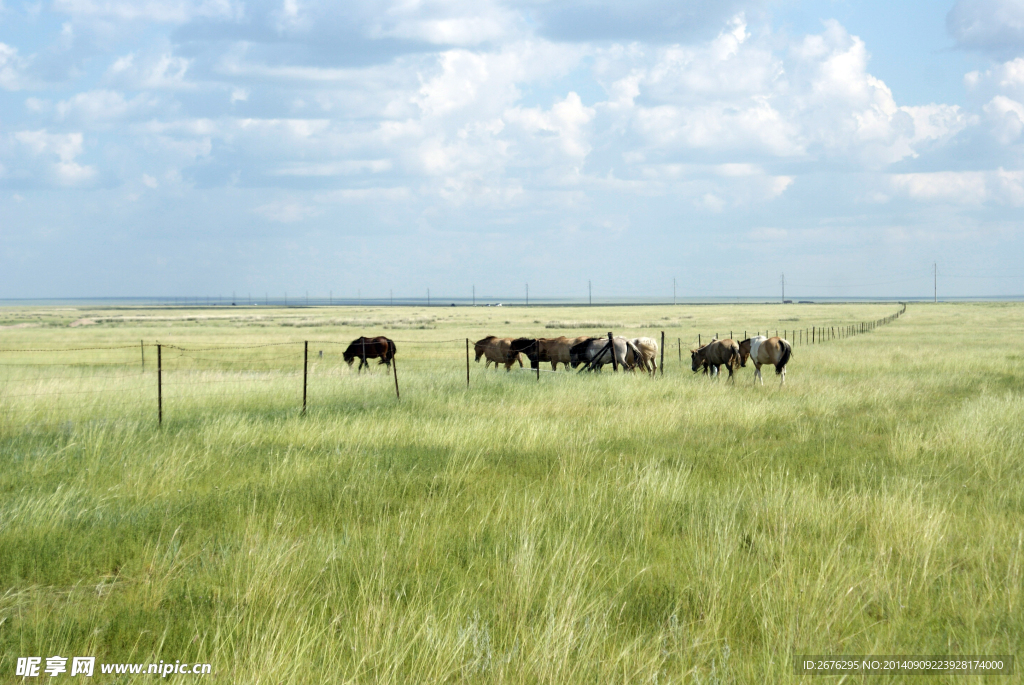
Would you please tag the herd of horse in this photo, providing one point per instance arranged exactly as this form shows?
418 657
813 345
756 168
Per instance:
594 353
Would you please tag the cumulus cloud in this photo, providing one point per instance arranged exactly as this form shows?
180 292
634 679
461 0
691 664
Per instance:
12 68
56 152
964 188
995 27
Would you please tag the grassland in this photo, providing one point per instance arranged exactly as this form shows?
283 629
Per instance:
576 528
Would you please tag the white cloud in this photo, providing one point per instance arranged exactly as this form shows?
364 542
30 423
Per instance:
150 72
65 147
962 187
993 26
1006 118
161 11
12 68
287 212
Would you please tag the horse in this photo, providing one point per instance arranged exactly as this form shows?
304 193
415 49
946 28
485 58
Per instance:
594 352
774 350
496 350
364 348
539 350
648 357
714 354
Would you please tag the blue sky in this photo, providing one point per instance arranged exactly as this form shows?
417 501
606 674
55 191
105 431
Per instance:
195 147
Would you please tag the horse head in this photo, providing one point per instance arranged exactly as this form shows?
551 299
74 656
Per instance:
744 352
696 359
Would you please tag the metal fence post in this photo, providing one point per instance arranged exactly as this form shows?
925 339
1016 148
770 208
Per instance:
611 348
467 362
305 373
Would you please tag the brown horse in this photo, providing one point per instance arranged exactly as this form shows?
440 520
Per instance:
776 351
716 353
369 348
496 350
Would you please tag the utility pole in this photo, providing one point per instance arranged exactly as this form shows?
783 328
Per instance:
935 276
783 287
428 297
590 294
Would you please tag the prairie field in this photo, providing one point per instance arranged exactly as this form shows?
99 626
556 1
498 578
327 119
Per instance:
557 527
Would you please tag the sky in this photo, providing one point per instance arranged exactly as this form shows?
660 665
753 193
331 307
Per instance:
204 147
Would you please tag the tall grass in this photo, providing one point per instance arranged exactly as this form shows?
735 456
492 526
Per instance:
575 528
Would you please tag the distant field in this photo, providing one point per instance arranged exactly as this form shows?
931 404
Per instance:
571 528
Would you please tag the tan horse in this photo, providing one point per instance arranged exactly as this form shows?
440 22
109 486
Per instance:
716 353
648 357
496 350
556 350
775 351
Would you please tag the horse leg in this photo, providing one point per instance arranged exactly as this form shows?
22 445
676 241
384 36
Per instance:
783 374
757 374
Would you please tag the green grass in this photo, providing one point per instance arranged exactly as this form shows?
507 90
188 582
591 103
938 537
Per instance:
579 528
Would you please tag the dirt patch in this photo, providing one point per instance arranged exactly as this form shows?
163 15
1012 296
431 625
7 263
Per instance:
20 325
82 322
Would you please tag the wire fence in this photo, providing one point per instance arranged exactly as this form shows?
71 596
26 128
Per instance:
143 381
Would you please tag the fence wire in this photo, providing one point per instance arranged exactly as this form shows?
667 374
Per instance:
136 382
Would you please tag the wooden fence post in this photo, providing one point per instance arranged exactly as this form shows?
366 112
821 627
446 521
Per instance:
611 348
663 353
159 387
305 373
467 362
394 368
679 342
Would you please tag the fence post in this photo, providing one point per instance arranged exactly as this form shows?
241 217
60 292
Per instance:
159 387
611 348
698 341
679 342
305 367
394 368
663 353
467 362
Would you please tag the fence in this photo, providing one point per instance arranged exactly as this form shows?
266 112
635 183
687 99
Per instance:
146 379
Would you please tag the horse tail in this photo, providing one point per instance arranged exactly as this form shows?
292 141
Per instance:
787 353
391 349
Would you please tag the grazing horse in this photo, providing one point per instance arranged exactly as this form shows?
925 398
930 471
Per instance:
496 350
595 352
762 350
716 353
368 348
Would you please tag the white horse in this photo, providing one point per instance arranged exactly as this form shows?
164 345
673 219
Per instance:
774 350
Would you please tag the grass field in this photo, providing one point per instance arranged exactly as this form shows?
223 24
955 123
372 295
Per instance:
576 528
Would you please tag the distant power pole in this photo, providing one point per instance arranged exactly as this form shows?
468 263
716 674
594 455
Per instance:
590 294
428 297
935 276
783 287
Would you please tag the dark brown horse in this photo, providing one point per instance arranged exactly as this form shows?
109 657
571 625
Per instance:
368 348
716 353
